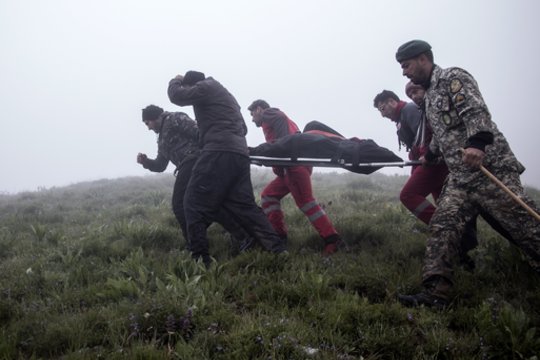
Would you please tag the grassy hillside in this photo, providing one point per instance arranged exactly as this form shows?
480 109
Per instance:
96 271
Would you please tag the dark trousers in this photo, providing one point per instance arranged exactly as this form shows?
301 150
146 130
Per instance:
223 180
183 176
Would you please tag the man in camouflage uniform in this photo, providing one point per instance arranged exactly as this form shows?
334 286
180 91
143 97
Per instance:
415 135
465 136
178 137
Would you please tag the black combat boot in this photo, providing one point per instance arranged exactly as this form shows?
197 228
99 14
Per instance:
434 295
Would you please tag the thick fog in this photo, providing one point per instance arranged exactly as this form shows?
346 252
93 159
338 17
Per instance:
74 75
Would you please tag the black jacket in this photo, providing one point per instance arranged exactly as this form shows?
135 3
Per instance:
220 122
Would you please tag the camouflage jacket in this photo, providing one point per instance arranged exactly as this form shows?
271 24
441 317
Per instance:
178 138
456 112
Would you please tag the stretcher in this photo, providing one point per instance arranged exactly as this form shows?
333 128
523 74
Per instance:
321 146
316 162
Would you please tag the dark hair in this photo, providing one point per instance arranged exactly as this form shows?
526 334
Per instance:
383 96
258 103
151 112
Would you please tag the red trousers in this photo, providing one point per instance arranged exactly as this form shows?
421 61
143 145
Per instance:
424 180
297 181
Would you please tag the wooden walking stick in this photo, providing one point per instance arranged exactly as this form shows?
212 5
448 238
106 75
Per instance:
510 192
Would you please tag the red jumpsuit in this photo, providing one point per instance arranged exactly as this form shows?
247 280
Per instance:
295 180
415 134
424 180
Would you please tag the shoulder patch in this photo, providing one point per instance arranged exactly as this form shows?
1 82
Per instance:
455 85
447 120
459 98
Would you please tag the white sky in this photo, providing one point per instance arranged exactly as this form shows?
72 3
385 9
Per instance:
74 75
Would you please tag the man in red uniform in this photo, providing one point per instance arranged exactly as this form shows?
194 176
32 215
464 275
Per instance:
294 179
414 134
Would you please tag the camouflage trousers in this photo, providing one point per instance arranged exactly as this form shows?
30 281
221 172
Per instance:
460 202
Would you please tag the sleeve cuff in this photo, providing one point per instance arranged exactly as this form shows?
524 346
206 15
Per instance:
430 156
480 140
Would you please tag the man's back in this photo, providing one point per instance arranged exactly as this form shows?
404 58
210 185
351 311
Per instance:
276 124
221 125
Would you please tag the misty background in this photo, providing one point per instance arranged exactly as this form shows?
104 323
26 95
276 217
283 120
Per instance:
74 75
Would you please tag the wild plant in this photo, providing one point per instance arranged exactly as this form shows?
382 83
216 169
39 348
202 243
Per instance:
97 270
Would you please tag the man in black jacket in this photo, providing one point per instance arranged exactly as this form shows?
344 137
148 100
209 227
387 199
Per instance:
221 175
178 137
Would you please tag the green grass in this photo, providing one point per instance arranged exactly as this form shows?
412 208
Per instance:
96 271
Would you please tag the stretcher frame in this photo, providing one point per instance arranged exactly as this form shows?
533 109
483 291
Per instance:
287 161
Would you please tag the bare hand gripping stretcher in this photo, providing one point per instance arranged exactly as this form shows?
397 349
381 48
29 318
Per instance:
322 146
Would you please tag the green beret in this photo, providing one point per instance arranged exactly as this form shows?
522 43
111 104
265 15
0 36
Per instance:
411 49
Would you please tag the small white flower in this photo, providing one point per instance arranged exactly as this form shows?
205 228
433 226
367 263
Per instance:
310 351
29 271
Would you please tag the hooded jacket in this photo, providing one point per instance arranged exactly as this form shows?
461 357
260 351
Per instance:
218 116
